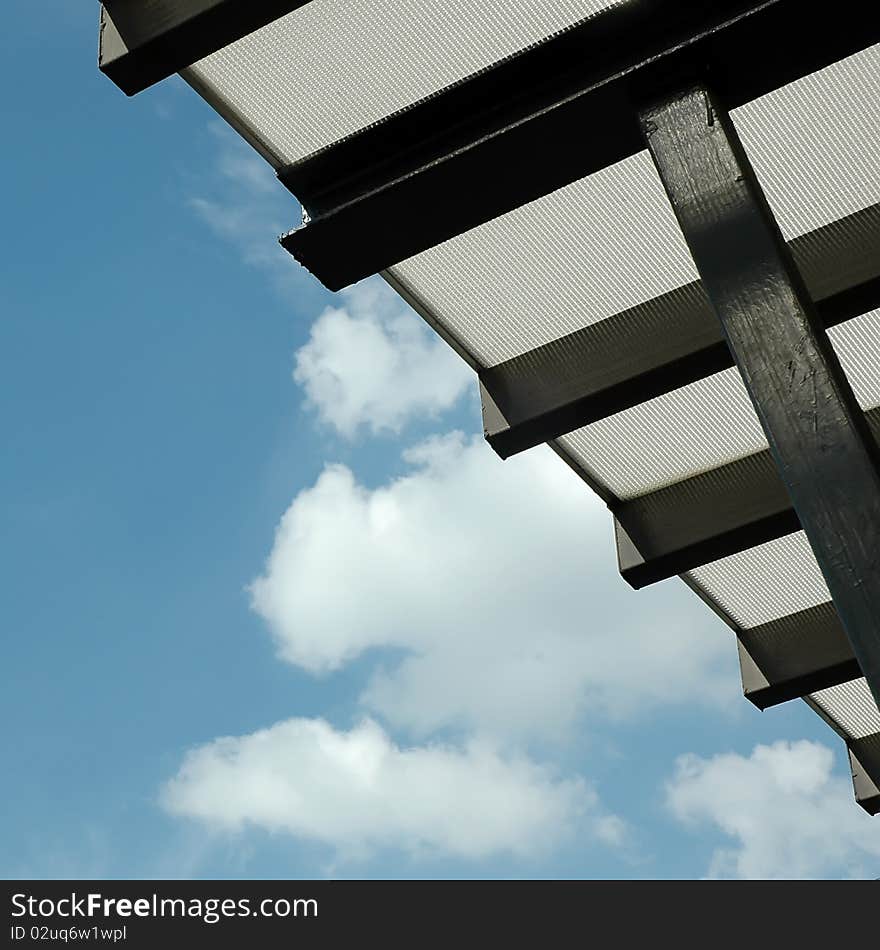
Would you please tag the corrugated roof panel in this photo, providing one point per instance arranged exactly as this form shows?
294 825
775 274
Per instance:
813 143
570 259
667 439
610 241
763 583
334 67
705 424
852 707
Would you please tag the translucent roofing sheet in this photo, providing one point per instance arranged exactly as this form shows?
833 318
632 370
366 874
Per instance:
814 143
570 259
852 707
706 424
610 241
334 67
701 426
763 583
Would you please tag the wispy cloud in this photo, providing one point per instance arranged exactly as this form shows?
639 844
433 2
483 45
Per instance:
242 202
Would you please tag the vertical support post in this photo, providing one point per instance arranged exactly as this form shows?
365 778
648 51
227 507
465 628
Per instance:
818 436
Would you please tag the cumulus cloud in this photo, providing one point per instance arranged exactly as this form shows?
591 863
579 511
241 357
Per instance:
788 813
359 792
370 362
373 363
498 582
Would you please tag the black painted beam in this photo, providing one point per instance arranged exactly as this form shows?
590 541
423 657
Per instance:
543 119
820 441
663 344
794 656
145 41
864 760
701 519
706 517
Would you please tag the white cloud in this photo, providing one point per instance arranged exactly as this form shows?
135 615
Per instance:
498 581
369 362
373 363
790 815
358 792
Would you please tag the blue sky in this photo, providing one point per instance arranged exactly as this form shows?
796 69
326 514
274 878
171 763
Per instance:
271 609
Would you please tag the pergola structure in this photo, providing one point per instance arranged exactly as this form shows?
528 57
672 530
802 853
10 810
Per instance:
652 227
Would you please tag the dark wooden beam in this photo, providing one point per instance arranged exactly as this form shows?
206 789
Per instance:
706 517
542 119
794 656
701 519
145 41
864 760
663 344
822 446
